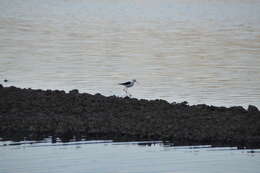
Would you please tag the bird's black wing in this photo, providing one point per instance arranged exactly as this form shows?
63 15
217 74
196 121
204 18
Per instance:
125 83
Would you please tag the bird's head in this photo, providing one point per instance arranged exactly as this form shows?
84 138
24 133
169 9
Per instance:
135 81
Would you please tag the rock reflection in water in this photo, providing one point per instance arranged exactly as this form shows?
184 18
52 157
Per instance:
130 157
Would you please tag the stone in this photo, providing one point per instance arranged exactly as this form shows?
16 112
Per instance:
252 108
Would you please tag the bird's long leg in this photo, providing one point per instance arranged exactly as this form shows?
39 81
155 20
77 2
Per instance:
125 90
128 94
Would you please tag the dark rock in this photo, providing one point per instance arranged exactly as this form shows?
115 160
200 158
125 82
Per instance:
184 103
252 108
36 114
5 80
75 91
237 109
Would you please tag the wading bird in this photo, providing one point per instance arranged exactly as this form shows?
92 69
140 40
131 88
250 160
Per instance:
128 85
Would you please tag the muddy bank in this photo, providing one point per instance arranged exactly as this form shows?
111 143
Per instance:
36 114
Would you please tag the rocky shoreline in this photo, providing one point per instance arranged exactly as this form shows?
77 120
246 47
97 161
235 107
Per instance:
36 114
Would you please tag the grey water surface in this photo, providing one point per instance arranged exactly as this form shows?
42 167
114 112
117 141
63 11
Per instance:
201 51
124 157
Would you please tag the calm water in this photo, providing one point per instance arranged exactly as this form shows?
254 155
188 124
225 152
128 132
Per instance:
109 157
202 51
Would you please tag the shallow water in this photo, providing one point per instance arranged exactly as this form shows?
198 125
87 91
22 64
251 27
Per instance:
124 157
196 50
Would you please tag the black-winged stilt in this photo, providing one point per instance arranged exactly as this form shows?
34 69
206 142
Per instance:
128 85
